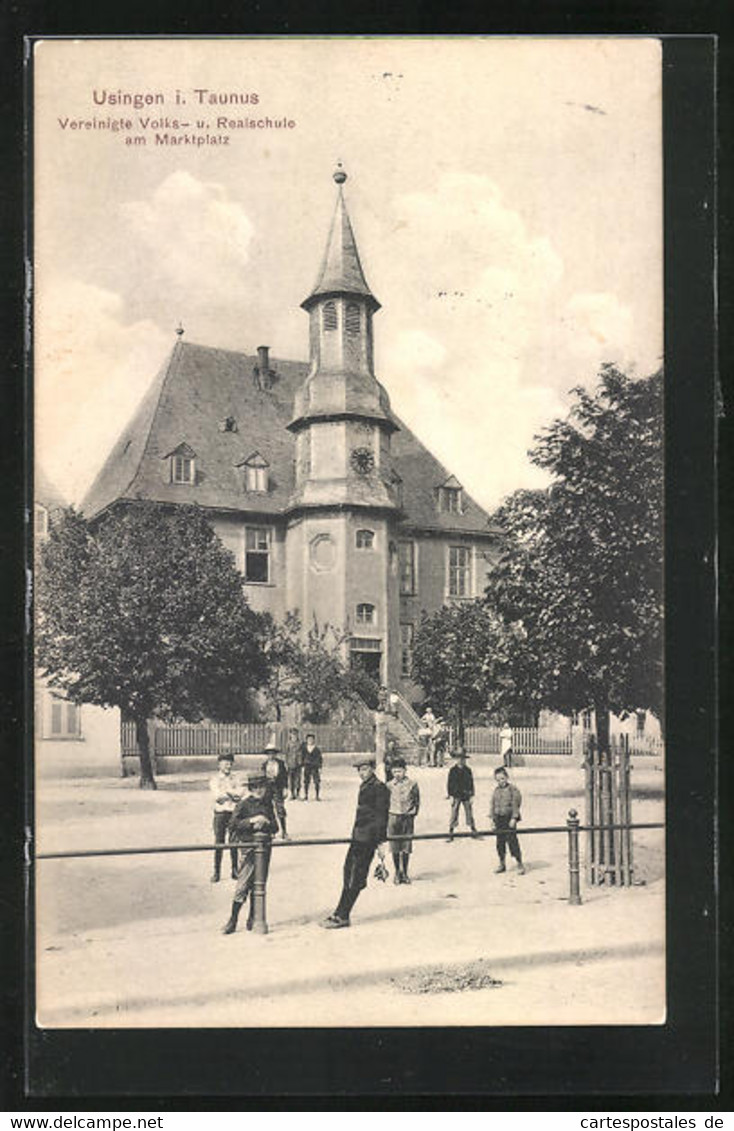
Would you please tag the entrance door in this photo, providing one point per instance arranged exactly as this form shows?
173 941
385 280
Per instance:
369 662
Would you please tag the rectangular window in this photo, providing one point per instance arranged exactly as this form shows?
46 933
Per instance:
256 478
183 469
407 567
41 520
365 614
257 554
449 500
459 571
65 719
407 636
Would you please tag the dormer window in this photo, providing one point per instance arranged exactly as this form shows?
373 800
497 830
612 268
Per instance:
365 614
449 497
41 521
255 473
182 465
352 319
330 316
365 539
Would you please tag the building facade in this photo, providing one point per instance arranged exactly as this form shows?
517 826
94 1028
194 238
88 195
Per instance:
329 504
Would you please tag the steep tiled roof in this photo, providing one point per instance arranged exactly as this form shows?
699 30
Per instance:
193 395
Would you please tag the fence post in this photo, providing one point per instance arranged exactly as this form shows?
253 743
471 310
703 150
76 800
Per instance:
574 890
259 917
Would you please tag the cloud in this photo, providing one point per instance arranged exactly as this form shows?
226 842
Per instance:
488 338
92 367
190 235
476 285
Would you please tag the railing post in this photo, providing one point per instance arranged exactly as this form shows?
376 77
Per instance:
574 890
259 917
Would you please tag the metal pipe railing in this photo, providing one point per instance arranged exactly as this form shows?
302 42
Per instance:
261 843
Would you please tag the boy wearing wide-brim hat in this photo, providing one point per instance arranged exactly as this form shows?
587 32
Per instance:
368 836
275 772
254 814
405 802
460 790
226 791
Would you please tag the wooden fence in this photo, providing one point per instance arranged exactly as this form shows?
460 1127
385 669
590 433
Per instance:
525 740
551 740
181 740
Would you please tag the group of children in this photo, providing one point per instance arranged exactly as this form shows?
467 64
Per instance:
301 765
385 812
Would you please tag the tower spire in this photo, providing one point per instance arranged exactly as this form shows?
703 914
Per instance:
341 270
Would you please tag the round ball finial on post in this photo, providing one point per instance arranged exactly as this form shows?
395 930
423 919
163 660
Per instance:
339 175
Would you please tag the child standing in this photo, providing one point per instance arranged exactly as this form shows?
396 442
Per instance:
504 812
226 791
405 802
460 789
276 776
293 762
312 759
254 814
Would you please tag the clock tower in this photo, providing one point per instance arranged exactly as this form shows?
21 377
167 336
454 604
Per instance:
345 501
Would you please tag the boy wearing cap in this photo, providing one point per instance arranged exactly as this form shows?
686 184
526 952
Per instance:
293 762
312 760
460 789
504 812
254 814
226 791
368 836
276 777
403 809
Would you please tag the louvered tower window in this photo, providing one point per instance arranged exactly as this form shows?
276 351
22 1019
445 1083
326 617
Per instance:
352 319
330 318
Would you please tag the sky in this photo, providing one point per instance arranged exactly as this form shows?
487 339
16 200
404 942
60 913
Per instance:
506 196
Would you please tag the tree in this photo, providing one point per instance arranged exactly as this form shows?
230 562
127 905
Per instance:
462 657
306 669
582 569
144 610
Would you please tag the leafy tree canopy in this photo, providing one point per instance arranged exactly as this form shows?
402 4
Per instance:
462 657
144 610
581 572
306 668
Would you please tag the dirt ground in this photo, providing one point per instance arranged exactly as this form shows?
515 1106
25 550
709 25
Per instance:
136 941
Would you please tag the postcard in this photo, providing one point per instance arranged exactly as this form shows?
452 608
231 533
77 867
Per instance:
302 309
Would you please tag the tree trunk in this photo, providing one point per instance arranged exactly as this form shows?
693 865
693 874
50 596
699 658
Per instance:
601 715
147 780
460 724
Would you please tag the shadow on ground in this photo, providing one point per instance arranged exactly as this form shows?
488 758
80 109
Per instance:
371 979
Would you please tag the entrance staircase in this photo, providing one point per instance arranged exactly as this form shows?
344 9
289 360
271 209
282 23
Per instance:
403 727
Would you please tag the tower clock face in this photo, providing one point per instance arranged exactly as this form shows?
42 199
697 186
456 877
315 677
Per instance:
362 461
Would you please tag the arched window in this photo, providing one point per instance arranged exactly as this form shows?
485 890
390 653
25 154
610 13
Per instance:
365 539
352 321
365 614
330 317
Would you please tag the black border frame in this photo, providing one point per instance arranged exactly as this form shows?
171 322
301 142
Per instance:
486 1067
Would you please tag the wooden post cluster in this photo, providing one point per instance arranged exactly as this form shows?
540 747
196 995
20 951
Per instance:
609 856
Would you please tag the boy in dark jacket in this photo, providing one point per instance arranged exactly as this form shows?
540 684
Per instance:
368 834
312 760
504 812
275 773
253 814
460 789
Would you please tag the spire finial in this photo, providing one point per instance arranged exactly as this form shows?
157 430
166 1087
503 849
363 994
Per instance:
339 175
180 330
